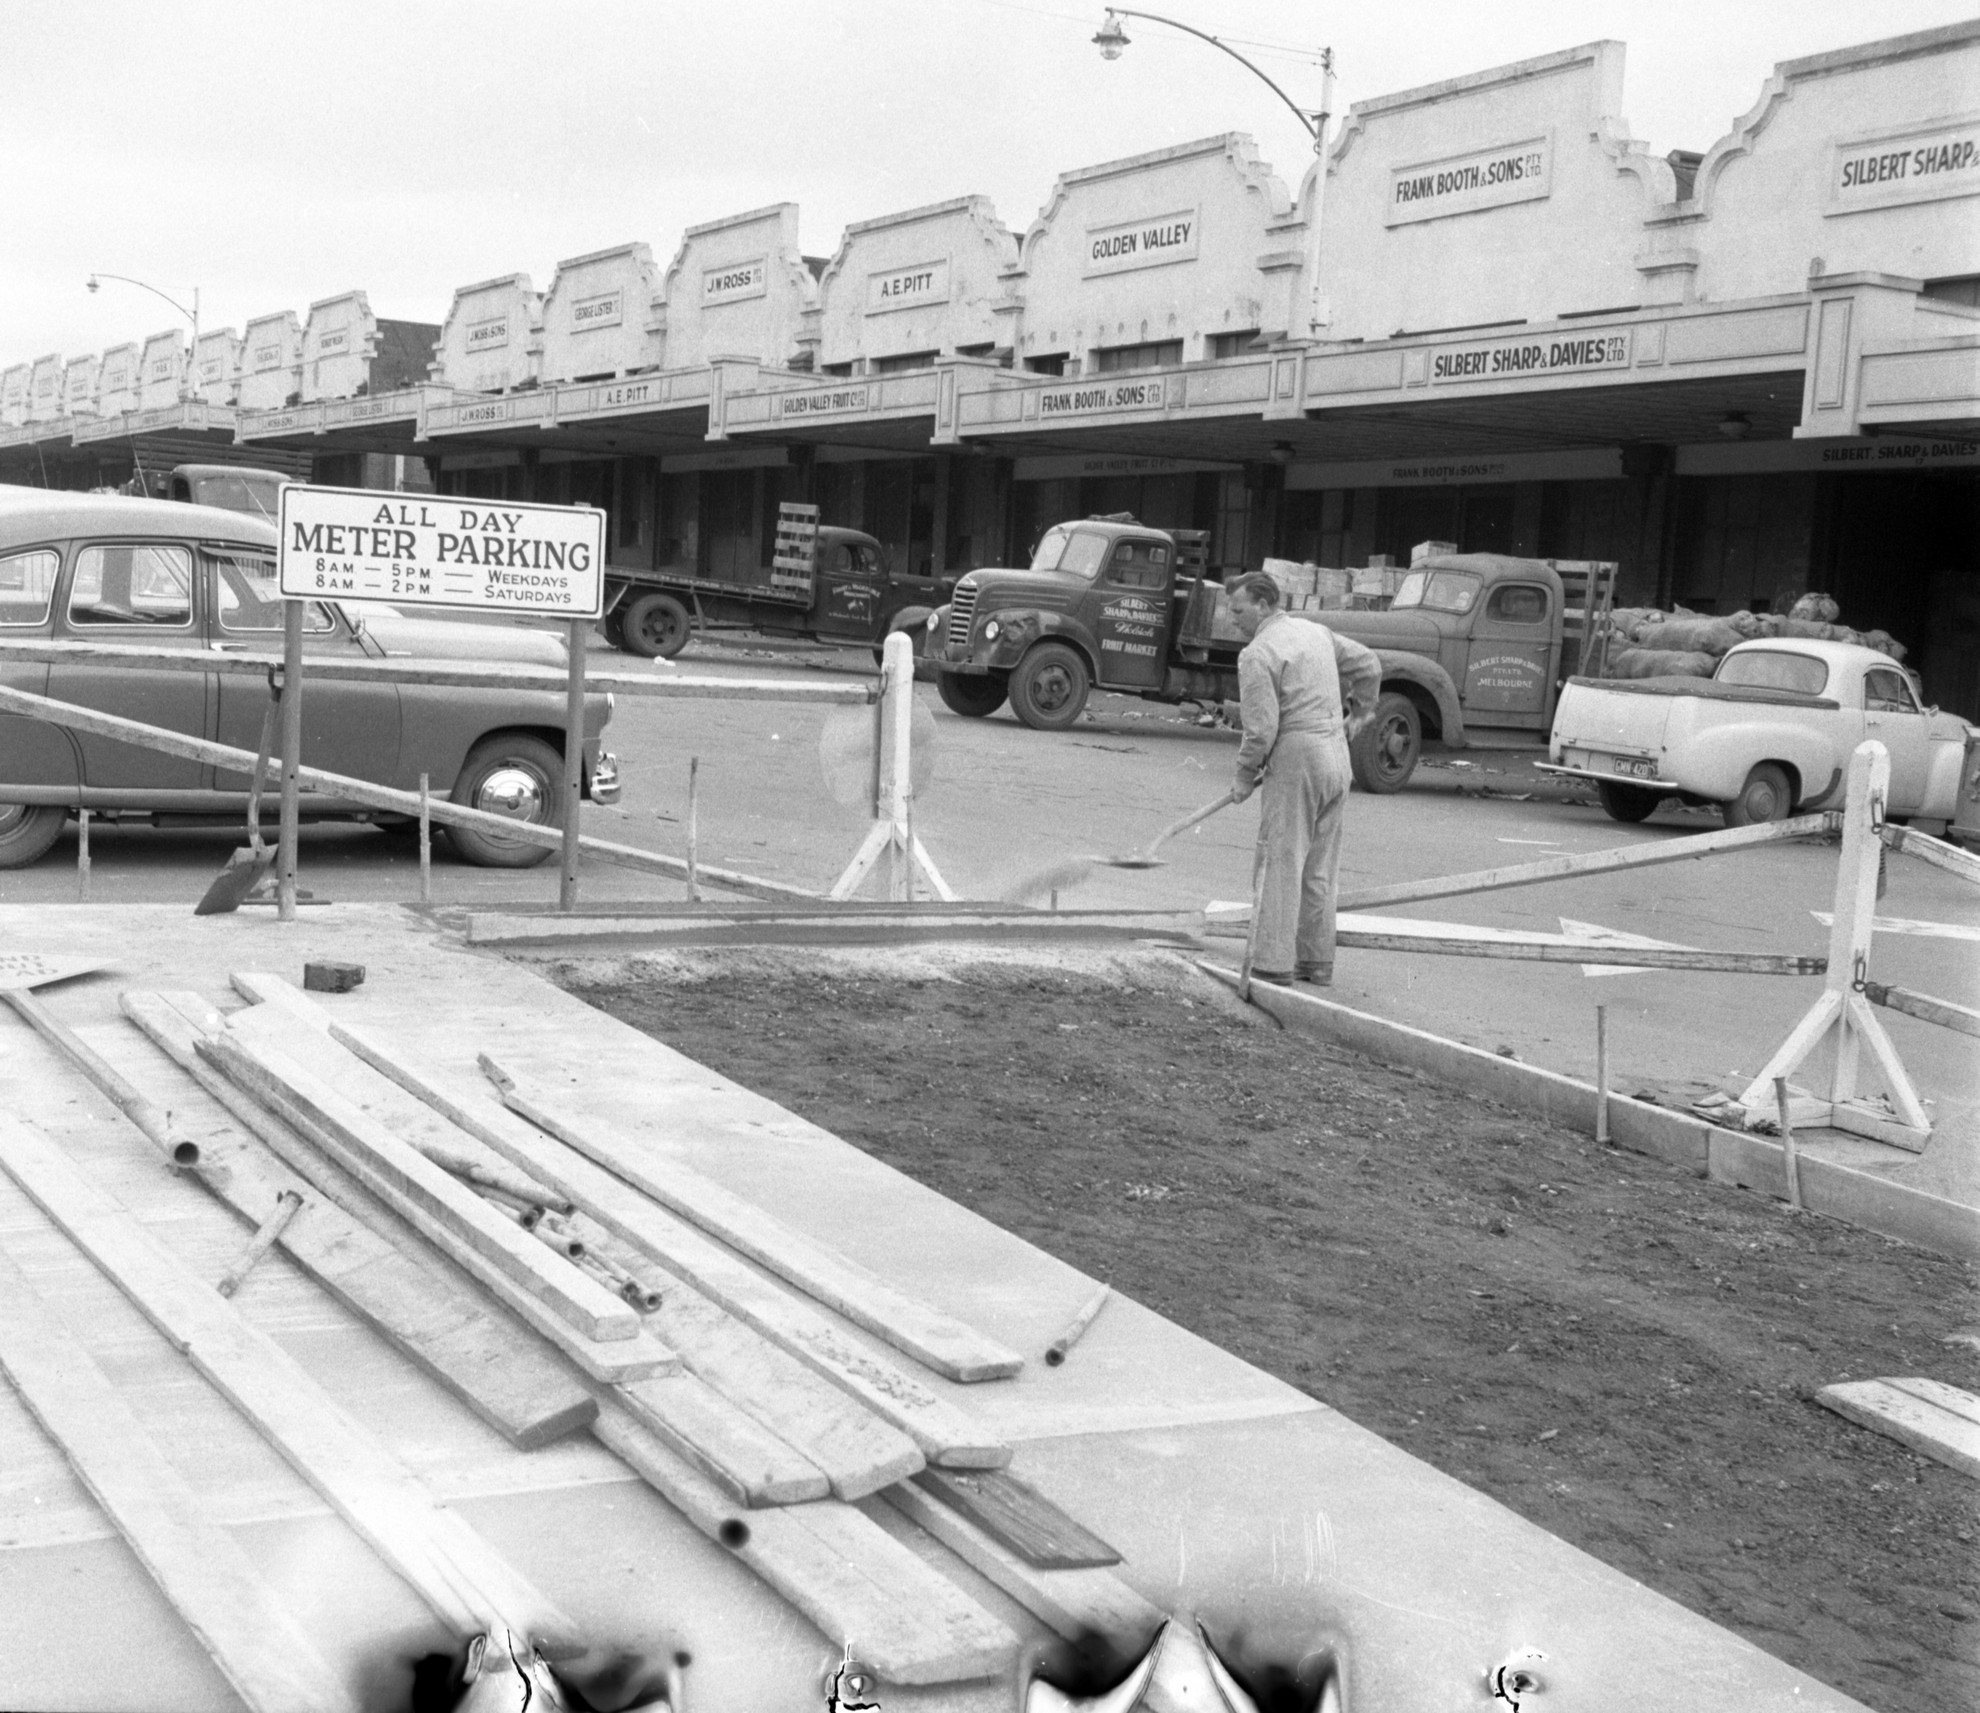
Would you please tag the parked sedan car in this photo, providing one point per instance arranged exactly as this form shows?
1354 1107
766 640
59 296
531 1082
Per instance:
1768 735
104 568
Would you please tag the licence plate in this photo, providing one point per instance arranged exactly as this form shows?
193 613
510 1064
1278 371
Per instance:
1631 768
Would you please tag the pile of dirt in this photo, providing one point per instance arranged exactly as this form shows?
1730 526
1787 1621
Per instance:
1623 1353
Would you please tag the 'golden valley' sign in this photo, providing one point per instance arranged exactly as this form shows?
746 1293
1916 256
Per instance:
1151 243
1463 184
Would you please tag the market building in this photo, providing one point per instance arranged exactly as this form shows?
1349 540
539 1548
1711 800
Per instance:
1742 371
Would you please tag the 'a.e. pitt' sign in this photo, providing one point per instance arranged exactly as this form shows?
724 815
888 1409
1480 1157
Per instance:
498 556
1150 243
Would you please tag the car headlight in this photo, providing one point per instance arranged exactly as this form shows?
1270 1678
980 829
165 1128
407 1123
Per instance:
992 631
934 621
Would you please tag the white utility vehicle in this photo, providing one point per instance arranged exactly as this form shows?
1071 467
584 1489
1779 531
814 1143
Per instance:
1766 736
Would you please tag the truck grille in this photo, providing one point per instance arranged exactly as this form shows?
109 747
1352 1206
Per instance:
962 614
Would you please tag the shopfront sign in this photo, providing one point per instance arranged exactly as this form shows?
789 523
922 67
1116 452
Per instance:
827 401
734 281
1464 184
1582 464
1516 359
489 335
606 309
331 340
498 556
1920 163
1151 243
907 288
1076 465
1868 455
1102 396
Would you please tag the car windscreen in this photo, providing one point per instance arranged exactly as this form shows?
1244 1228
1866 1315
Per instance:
1775 669
1439 591
244 584
1077 552
240 494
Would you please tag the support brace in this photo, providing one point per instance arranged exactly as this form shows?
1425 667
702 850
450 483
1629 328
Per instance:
891 844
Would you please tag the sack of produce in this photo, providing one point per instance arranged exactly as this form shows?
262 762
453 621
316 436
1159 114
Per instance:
1691 636
1884 643
1661 663
1821 608
1624 620
1816 630
1749 624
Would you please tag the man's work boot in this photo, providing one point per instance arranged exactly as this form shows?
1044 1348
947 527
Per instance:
1315 975
1278 978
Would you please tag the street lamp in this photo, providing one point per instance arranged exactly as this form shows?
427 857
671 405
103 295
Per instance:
1112 41
95 283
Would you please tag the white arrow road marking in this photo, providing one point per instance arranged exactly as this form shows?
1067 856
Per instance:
1907 925
1594 934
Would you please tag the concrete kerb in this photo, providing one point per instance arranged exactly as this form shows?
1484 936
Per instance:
1859 1198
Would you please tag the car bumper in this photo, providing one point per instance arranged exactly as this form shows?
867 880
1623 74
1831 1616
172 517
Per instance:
1608 775
605 778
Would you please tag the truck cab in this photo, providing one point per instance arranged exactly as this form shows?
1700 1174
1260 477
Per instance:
1474 646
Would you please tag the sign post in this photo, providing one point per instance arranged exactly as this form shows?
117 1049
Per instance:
430 550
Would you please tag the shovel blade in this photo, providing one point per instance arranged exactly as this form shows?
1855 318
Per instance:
245 871
36 969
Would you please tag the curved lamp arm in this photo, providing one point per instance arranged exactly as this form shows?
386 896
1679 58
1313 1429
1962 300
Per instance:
1112 39
191 315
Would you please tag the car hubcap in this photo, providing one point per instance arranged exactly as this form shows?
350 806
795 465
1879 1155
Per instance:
1394 745
13 817
512 790
1053 689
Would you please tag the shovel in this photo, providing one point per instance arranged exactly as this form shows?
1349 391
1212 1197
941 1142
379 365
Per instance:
1063 875
20 974
246 869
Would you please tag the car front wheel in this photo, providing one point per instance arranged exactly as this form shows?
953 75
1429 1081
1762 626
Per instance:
1048 690
514 776
1383 753
1766 796
27 832
973 698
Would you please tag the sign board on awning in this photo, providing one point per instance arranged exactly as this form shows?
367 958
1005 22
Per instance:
491 556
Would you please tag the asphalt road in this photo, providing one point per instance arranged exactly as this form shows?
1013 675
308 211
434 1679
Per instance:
1006 802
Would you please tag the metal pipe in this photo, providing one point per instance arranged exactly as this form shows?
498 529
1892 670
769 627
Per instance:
285 868
567 879
1788 1155
1602 1073
425 841
694 829
82 855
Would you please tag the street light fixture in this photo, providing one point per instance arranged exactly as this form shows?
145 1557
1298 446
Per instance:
95 283
1112 40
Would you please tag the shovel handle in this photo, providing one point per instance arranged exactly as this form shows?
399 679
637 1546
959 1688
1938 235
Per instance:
1190 820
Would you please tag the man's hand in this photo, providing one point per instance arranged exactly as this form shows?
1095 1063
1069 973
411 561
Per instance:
1359 720
1242 789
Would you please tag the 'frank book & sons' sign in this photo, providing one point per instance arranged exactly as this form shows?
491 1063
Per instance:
496 556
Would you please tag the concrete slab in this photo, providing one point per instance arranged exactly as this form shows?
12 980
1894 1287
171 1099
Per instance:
1230 1494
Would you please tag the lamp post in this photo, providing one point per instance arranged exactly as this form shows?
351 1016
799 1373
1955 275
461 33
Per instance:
1112 40
187 382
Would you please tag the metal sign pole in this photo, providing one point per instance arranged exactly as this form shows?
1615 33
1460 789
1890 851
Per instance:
567 885
285 868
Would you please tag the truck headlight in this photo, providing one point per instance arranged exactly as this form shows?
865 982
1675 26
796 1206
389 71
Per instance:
935 620
992 631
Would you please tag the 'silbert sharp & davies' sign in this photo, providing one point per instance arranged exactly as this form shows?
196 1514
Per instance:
1919 163
501 556
1150 243
733 281
1463 184
1513 359
907 288
1103 396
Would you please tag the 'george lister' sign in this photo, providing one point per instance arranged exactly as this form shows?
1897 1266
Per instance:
496 556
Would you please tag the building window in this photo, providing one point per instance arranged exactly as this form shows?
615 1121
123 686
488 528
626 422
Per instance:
906 360
835 369
1222 345
1053 363
1961 288
1156 354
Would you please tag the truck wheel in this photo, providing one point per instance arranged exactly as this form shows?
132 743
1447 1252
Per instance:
657 627
513 775
27 832
973 698
1766 796
1630 803
1383 755
1049 687
613 626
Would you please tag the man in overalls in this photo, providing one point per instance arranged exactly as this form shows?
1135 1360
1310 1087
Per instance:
1304 691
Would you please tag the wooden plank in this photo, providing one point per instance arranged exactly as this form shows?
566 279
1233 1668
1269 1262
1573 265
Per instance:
457 1573
1646 855
342 789
695 1422
909 1622
842 925
1940 853
440 673
1922 1005
944 1434
945 1344
1952 1399
248 1055
1914 1421
1016 1514
1073 1602
637 1358
1551 951
499 1370
258 1644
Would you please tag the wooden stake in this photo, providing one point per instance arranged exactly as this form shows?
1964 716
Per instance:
1788 1154
287 1205
425 841
1602 1074
82 855
567 880
694 830
285 864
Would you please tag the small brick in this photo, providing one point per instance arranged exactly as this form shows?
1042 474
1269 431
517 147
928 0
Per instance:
331 977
